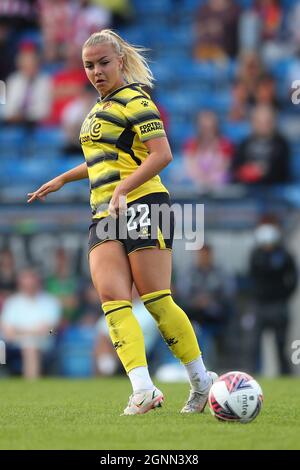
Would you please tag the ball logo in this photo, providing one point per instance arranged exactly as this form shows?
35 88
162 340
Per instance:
244 405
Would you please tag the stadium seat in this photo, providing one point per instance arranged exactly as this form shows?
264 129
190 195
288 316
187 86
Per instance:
76 351
295 162
236 131
152 8
45 136
47 142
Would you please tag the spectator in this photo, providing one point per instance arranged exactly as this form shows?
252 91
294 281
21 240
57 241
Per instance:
89 303
270 13
210 302
28 90
239 110
63 284
27 318
245 95
207 156
63 22
121 10
87 19
266 92
293 25
73 115
216 30
261 27
263 157
274 276
250 71
55 18
8 279
7 51
67 84
19 14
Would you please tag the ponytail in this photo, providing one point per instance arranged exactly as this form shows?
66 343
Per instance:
135 66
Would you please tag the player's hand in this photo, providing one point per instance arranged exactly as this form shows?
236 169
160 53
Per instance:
41 193
118 204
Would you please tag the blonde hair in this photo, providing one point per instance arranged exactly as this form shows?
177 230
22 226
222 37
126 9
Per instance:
135 66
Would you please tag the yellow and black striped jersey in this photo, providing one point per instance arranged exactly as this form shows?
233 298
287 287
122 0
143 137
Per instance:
112 138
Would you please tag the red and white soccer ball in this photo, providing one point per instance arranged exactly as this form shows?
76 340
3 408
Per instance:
235 396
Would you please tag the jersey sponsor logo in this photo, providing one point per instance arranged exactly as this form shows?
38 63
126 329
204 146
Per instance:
150 127
91 129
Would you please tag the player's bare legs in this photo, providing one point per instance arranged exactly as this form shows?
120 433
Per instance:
111 275
151 271
110 271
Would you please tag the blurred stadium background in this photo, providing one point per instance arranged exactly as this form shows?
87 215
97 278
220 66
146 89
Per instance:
224 71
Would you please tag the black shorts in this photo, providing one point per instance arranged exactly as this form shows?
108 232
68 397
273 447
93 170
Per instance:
149 222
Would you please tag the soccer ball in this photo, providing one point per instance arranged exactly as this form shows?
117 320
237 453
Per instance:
235 396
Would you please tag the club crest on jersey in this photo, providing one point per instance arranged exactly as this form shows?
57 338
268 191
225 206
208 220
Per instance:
144 232
107 105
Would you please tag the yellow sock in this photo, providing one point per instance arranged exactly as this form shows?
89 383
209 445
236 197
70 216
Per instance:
126 333
173 324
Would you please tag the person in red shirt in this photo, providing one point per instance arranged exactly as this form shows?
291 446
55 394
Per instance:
67 84
207 156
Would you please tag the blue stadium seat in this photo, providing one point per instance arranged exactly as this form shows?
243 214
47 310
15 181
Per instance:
295 162
47 142
192 4
245 3
76 351
64 164
11 134
49 136
236 131
287 4
135 36
13 143
32 35
153 8
179 132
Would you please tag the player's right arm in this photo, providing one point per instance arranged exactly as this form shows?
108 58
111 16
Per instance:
78 173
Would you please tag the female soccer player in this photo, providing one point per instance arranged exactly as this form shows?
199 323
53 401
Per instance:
125 148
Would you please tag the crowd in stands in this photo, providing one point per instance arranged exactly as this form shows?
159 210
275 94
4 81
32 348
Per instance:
222 64
224 71
52 323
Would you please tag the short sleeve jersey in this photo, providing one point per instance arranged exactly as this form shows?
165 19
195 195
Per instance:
113 137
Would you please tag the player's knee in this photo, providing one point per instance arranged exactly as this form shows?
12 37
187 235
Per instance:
109 295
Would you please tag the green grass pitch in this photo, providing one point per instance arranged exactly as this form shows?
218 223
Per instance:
85 414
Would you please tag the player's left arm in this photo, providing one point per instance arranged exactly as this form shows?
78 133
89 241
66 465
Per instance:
159 157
